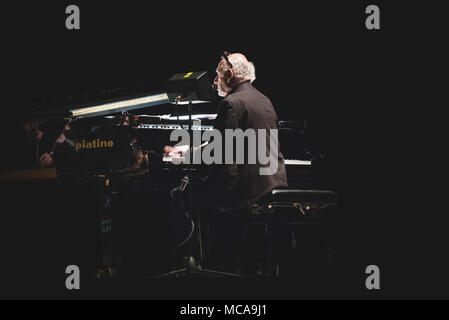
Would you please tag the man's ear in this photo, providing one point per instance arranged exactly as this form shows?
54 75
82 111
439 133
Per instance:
228 76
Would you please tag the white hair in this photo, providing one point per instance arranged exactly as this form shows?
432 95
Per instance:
252 70
243 70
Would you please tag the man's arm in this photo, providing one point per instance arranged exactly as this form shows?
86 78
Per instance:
227 118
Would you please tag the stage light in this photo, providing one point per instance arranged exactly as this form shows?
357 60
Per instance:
191 87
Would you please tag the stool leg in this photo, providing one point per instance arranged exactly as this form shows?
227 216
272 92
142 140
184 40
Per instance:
245 255
268 246
272 261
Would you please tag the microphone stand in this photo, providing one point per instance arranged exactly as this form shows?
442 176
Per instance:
52 151
191 266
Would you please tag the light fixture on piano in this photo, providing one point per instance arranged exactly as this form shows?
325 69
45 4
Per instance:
192 87
120 106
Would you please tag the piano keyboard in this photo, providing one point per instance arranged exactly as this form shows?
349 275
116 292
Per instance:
170 159
174 127
294 162
288 162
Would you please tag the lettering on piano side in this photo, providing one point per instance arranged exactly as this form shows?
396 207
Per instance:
93 144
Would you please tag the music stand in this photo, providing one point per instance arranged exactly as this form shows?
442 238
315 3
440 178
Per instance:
191 88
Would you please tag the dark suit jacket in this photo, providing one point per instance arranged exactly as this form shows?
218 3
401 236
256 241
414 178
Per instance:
239 185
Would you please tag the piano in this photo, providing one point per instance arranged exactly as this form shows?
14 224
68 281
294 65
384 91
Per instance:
106 148
150 132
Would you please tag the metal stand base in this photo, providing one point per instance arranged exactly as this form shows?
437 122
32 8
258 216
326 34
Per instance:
192 269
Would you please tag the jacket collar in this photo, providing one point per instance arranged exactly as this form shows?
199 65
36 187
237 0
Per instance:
240 86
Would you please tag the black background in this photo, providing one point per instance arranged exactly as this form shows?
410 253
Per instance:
314 59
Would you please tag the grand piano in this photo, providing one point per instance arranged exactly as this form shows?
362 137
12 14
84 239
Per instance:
149 132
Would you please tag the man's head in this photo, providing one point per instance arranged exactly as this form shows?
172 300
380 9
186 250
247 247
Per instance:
231 72
32 131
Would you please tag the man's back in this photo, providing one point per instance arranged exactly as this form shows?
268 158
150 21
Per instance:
240 184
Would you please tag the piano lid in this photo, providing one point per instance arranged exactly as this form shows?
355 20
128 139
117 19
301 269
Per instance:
120 106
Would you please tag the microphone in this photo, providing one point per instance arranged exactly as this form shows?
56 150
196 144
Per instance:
176 194
184 183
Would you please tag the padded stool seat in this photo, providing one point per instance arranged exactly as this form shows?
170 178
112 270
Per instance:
280 218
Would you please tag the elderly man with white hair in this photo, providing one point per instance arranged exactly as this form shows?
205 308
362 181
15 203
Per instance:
228 77
238 187
235 189
244 107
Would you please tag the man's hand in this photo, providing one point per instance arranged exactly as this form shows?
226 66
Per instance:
60 139
168 150
45 160
175 152
35 135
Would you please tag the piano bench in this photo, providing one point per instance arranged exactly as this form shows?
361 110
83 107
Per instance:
288 206
290 220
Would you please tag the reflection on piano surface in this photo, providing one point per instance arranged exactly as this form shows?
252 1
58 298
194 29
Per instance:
28 174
